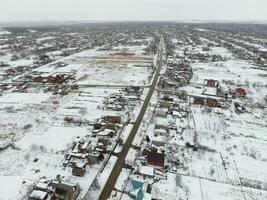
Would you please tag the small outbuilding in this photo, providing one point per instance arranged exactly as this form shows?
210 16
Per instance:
38 195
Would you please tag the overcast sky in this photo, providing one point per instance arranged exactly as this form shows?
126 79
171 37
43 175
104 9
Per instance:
123 10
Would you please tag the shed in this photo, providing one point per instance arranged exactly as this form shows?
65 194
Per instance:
145 170
38 195
112 119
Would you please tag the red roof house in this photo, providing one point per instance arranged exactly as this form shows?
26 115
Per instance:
241 92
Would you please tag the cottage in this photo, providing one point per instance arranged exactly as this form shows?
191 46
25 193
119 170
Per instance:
79 169
65 191
211 83
199 101
112 119
155 159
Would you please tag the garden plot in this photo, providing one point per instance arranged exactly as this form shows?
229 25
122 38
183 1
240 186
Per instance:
251 169
250 147
48 140
51 68
238 71
87 105
137 50
23 113
191 188
204 164
231 137
225 53
207 122
247 131
169 189
25 98
194 188
219 191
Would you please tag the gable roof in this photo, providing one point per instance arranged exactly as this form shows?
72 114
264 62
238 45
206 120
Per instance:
155 158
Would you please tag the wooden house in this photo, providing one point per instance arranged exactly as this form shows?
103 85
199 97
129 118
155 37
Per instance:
79 169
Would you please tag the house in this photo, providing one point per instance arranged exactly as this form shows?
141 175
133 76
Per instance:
65 191
199 101
161 112
155 159
81 147
79 169
212 103
240 92
38 195
112 119
93 158
162 123
211 83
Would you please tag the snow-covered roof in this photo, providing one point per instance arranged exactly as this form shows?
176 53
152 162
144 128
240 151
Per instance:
146 170
264 50
37 194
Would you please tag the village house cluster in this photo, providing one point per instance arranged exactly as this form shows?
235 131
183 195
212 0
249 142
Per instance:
133 111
